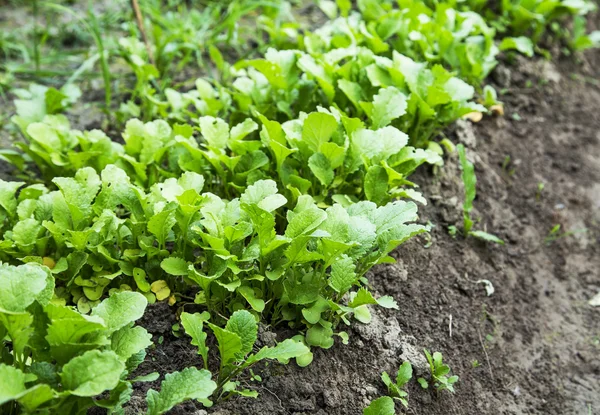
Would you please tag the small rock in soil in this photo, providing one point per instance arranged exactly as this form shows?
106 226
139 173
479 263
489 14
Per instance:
465 133
414 355
266 336
502 76
332 397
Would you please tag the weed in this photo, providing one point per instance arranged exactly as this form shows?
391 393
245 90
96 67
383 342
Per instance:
470 181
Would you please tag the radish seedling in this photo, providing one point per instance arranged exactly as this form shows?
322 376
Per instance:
395 388
439 373
235 343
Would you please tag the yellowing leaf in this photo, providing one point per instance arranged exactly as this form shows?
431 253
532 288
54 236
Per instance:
49 262
474 116
497 109
161 289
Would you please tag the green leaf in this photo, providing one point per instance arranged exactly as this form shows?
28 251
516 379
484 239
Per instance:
26 234
352 90
318 129
243 324
179 387
376 185
139 275
230 344
381 406
334 153
313 313
71 332
522 44
362 297
117 190
319 336
20 329
378 145
128 341
391 216
469 181
12 383
8 201
287 349
249 295
174 266
263 193
215 131
486 237
36 396
405 373
191 181
92 373
193 325
387 301
308 64
160 225
241 130
343 275
321 167
21 286
45 136
388 105
121 309
305 222
79 193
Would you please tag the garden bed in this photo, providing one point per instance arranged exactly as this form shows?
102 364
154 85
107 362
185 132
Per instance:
513 321
530 347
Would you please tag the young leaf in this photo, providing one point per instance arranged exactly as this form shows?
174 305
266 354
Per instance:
243 324
179 387
12 383
321 167
128 341
161 224
215 131
193 325
230 344
249 295
21 285
121 309
318 129
287 349
522 44
342 276
264 194
79 193
8 201
388 105
174 266
320 336
486 237
376 185
404 374
92 373
381 406
305 222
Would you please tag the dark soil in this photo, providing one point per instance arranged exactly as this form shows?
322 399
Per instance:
533 346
